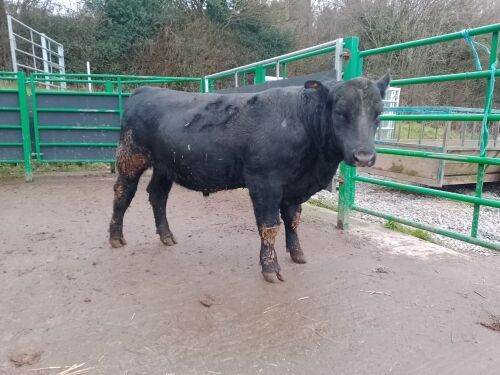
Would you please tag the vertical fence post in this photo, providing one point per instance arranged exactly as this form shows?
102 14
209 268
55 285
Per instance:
352 69
25 125
108 86
45 57
260 75
484 136
12 43
119 89
34 110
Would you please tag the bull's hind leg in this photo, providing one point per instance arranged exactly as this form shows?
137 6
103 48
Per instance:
158 190
266 202
131 164
291 218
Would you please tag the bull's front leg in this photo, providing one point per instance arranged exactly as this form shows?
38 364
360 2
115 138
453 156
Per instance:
266 199
291 218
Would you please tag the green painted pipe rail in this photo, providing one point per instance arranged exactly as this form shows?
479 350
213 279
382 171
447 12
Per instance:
78 144
432 40
441 117
78 127
110 76
428 191
443 78
440 156
429 228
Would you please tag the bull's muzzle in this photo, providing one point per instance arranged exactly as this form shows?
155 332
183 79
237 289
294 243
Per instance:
364 158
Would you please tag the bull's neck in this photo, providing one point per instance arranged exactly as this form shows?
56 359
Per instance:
313 114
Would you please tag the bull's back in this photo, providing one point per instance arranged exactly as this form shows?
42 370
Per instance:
196 139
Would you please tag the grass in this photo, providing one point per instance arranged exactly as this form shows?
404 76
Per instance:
9 171
423 235
323 204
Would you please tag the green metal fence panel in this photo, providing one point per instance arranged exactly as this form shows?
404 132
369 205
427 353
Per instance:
83 126
347 189
15 139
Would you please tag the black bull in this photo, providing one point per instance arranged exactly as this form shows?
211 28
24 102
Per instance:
282 144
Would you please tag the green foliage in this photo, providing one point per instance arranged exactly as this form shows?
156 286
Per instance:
252 24
423 235
122 26
218 11
265 40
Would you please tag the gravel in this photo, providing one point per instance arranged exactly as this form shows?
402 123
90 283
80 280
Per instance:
438 212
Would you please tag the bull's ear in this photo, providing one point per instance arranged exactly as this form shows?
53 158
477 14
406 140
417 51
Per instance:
317 86
312 84
383 83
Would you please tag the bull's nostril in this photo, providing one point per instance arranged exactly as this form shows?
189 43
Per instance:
364 158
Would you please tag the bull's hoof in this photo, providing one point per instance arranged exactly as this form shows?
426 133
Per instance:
298 257
273 277
168 240
117 242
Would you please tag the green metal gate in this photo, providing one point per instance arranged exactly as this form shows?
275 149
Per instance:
353 69
15 140
83 126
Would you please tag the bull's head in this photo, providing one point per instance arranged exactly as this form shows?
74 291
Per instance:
351 117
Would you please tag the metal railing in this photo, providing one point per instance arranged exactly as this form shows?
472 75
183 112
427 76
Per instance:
279 63
353 69
44 54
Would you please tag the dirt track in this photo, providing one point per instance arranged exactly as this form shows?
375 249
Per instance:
368 302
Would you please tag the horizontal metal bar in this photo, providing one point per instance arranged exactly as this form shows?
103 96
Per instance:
78 110
272 59
76 144
104 76
9 108
306 55
29 67
441 156
11 127
72 127
162 80
79 161
83 93
443 78
432 40
440 117
433 192
57 80
11 144
443 232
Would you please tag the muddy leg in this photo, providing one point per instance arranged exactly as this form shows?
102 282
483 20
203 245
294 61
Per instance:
131 162
125 188
266 200
291 219
158 190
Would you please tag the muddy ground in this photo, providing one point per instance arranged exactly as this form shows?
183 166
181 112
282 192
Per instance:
369 301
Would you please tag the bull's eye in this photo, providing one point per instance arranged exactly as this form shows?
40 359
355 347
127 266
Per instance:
340 115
